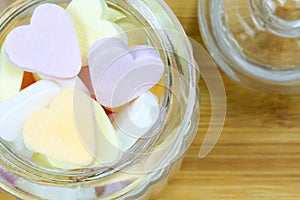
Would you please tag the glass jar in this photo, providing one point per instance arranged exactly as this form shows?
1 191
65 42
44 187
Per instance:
150 164
255 42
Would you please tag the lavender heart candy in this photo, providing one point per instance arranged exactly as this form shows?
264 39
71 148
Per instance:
48 45
120 75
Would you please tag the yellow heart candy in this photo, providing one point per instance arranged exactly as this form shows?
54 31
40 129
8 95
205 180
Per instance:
66 131
107 144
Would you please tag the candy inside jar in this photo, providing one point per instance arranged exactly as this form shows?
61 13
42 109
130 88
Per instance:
119 109
75 91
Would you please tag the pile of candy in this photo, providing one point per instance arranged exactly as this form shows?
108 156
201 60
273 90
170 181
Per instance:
72 94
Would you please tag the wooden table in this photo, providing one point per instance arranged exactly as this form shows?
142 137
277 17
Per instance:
258 154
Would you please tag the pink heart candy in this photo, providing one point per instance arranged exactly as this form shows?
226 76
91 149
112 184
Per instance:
48 45
120 75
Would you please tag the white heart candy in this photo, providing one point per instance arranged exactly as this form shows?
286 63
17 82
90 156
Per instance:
75 83
137 119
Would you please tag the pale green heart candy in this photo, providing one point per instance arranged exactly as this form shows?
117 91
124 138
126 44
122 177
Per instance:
10 77
89 18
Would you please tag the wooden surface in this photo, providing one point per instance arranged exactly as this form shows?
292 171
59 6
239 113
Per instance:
258 154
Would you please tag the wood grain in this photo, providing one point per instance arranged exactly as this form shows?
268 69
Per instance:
258 154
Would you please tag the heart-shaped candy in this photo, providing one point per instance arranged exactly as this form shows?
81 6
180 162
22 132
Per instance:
120 75
88 10
28 80
48 45
108 150
65 132
15 110
74 82
10 77
137 119
108 141
90 22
